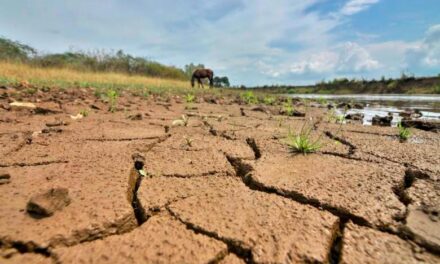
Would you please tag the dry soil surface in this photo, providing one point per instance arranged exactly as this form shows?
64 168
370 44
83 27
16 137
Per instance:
219 187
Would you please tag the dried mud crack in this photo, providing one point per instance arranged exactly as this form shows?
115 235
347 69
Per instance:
235 247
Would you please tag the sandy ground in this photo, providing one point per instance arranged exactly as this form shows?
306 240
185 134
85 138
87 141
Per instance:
222 189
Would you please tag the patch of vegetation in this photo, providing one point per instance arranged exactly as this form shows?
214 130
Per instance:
97 61
436 89
249 97
288 107
190 98
302 142
404 132
269 100
84 112
112 96
321 101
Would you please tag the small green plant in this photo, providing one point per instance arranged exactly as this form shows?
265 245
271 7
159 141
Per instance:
269 100
288 107
84 112
321 101
302 142
404 132
249 97
190 98
183 121
112 96
436 89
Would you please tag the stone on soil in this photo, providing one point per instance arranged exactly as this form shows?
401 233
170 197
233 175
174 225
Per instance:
47 203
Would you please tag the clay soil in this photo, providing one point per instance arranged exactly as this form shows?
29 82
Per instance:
224 188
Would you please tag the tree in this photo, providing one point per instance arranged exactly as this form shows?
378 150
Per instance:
14 50
221 81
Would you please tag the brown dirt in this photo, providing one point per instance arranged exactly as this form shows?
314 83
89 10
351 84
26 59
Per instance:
223 189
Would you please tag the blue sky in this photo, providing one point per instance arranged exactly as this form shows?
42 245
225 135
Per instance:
253 42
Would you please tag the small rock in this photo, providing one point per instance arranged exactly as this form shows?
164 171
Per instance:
382 121
410 114
5 177
358 106
344 105
137 116
94 106
355 116
259 109
76 117
51 130
427 125
56 123
22 105
45 204
45 111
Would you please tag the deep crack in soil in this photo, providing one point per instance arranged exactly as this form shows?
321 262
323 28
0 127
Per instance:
233 246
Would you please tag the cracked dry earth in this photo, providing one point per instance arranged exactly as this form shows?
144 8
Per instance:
224 189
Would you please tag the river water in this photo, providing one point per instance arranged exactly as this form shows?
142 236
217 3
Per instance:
382 105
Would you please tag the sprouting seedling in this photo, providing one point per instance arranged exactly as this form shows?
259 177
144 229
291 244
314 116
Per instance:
183 121
404 132
112 98
302 142
84 112
190 98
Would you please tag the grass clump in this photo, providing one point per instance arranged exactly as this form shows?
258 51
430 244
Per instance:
112 96
404 132
436 89
190 98
249 97
288 107
269 100
302 142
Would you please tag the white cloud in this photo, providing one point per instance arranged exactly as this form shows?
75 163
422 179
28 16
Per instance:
426 53
355 6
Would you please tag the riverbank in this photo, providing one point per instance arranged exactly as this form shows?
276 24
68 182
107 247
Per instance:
402 85
208 179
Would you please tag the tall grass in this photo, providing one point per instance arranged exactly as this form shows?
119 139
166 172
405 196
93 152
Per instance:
14 73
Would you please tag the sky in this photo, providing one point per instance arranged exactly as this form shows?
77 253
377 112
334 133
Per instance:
253 42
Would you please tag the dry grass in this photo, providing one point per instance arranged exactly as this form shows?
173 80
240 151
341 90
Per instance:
13 73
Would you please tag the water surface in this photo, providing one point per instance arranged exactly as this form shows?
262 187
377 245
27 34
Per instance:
383 104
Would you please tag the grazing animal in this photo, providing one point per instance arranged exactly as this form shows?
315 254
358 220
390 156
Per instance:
200 74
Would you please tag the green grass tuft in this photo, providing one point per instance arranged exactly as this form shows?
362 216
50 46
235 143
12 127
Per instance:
302 142
404 132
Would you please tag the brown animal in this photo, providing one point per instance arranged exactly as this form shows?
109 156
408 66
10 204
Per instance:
200 74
